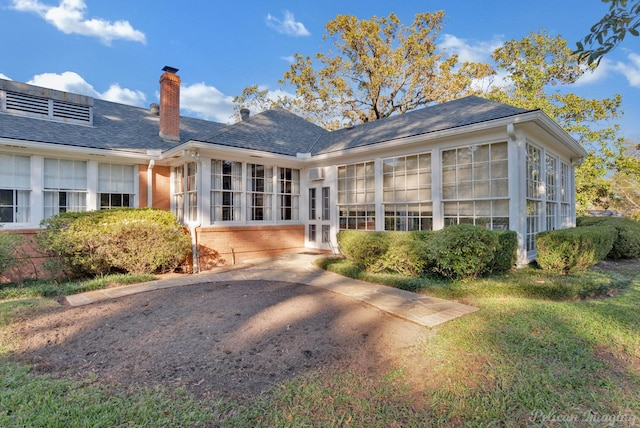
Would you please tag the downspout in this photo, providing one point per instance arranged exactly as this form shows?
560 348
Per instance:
150 183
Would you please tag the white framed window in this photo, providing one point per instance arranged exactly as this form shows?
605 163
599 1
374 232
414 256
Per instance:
15 188
534 195
406 192
475 185
259 192
226 190
116 185
184 187
565 195
551 191
288 194
65 186
356 196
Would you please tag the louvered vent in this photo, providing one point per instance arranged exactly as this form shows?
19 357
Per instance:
29 105
71 111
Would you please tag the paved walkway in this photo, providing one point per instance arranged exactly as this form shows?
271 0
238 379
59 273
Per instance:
299 268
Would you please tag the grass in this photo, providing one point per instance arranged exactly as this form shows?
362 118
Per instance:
40 288
537 353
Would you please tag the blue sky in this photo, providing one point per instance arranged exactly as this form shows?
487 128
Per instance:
116 49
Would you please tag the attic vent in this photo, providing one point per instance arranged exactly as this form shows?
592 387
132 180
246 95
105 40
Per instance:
27 104
31 106
316 173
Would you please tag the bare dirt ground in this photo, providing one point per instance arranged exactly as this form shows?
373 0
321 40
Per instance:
224 339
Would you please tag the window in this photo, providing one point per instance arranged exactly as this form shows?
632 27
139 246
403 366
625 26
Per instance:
185 179
259 192
65 186
356 196
407 192
226 190
565 195
326 204
551 191
475 186
15 176
116 185
177 187
312 203
534 195
288 193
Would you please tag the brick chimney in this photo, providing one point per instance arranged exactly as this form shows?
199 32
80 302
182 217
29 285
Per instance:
170 104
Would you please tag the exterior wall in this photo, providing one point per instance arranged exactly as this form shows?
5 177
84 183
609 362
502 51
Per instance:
31 266
160 185
235 244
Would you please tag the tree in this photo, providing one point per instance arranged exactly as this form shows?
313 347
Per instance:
606 34
538 66
625 183
379 68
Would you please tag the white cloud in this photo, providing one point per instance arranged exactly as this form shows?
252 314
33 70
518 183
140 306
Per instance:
471 51
288 25
2 76
206 102
630 70
596 75
69 17
70 81
290 59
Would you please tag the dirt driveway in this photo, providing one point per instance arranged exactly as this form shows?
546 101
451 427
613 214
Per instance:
221 339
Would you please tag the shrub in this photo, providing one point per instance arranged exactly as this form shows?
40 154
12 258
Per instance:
507 251
407 254
10 244
627 242
129 240
463 251
574 249
363 248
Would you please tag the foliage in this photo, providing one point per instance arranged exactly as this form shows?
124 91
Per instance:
623 17
575 249
463 251
625 182
627 240
407 254
51 288
378 67
128 240
506 252
363 248
537 68
10 244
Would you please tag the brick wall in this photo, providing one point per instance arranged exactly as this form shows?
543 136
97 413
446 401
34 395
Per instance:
31 264
241 243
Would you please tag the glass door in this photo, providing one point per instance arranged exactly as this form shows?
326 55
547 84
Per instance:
319 221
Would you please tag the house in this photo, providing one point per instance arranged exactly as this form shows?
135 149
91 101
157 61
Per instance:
274 182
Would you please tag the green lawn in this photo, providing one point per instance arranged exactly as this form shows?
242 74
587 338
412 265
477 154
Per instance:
536 354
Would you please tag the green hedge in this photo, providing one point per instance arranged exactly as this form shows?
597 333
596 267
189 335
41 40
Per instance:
116 240
463 251
10 244
574 249
627 242
456 252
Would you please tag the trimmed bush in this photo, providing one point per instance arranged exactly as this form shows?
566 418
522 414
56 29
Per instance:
574 249
463 251
9 250
363 248
627 242
407 254
507 251
117 240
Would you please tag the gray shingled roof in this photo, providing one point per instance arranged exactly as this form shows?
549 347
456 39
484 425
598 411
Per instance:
115 126
275 131
122 127
453 114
